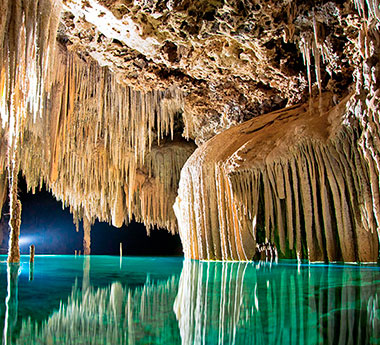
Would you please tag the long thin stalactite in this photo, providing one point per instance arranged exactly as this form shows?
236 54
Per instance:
27 39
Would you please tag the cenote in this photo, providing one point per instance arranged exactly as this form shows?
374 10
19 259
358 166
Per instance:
206 157
169 300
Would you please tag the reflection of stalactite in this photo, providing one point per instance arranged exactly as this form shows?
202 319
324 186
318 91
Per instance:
210 300
295 177
111 315
244 303
11 303
86 274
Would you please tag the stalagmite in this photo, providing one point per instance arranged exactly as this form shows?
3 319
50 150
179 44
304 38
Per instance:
14 222
86 236
32 251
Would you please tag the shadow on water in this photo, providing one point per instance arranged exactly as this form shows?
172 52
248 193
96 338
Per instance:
171 301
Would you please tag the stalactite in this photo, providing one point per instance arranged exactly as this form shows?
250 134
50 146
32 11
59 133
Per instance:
97 149
3 190
326 213
27 40
364 107
295 180
308 187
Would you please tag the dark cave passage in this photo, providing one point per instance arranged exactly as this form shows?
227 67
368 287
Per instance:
52 231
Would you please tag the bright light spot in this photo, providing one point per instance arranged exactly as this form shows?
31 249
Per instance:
26 240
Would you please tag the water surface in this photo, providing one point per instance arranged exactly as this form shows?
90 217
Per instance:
147 300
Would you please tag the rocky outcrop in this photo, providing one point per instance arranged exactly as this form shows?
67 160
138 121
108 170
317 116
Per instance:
305 178
295 177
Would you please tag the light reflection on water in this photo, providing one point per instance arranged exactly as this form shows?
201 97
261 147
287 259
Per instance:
100 300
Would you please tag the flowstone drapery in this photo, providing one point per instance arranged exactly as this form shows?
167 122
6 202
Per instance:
295 177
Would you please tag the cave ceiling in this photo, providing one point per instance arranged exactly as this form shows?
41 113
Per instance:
233 60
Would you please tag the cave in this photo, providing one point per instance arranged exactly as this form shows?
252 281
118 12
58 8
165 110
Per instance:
206 157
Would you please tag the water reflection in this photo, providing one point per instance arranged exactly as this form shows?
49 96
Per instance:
209 303
11 302
31 270
111 315
264 303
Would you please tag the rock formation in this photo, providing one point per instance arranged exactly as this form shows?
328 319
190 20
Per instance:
295 177
305 178
102 101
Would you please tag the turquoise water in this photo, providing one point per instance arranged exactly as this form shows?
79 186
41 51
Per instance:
147 300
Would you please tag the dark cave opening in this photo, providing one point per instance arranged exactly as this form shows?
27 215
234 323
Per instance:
50 228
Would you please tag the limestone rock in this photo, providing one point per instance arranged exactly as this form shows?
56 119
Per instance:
295 177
